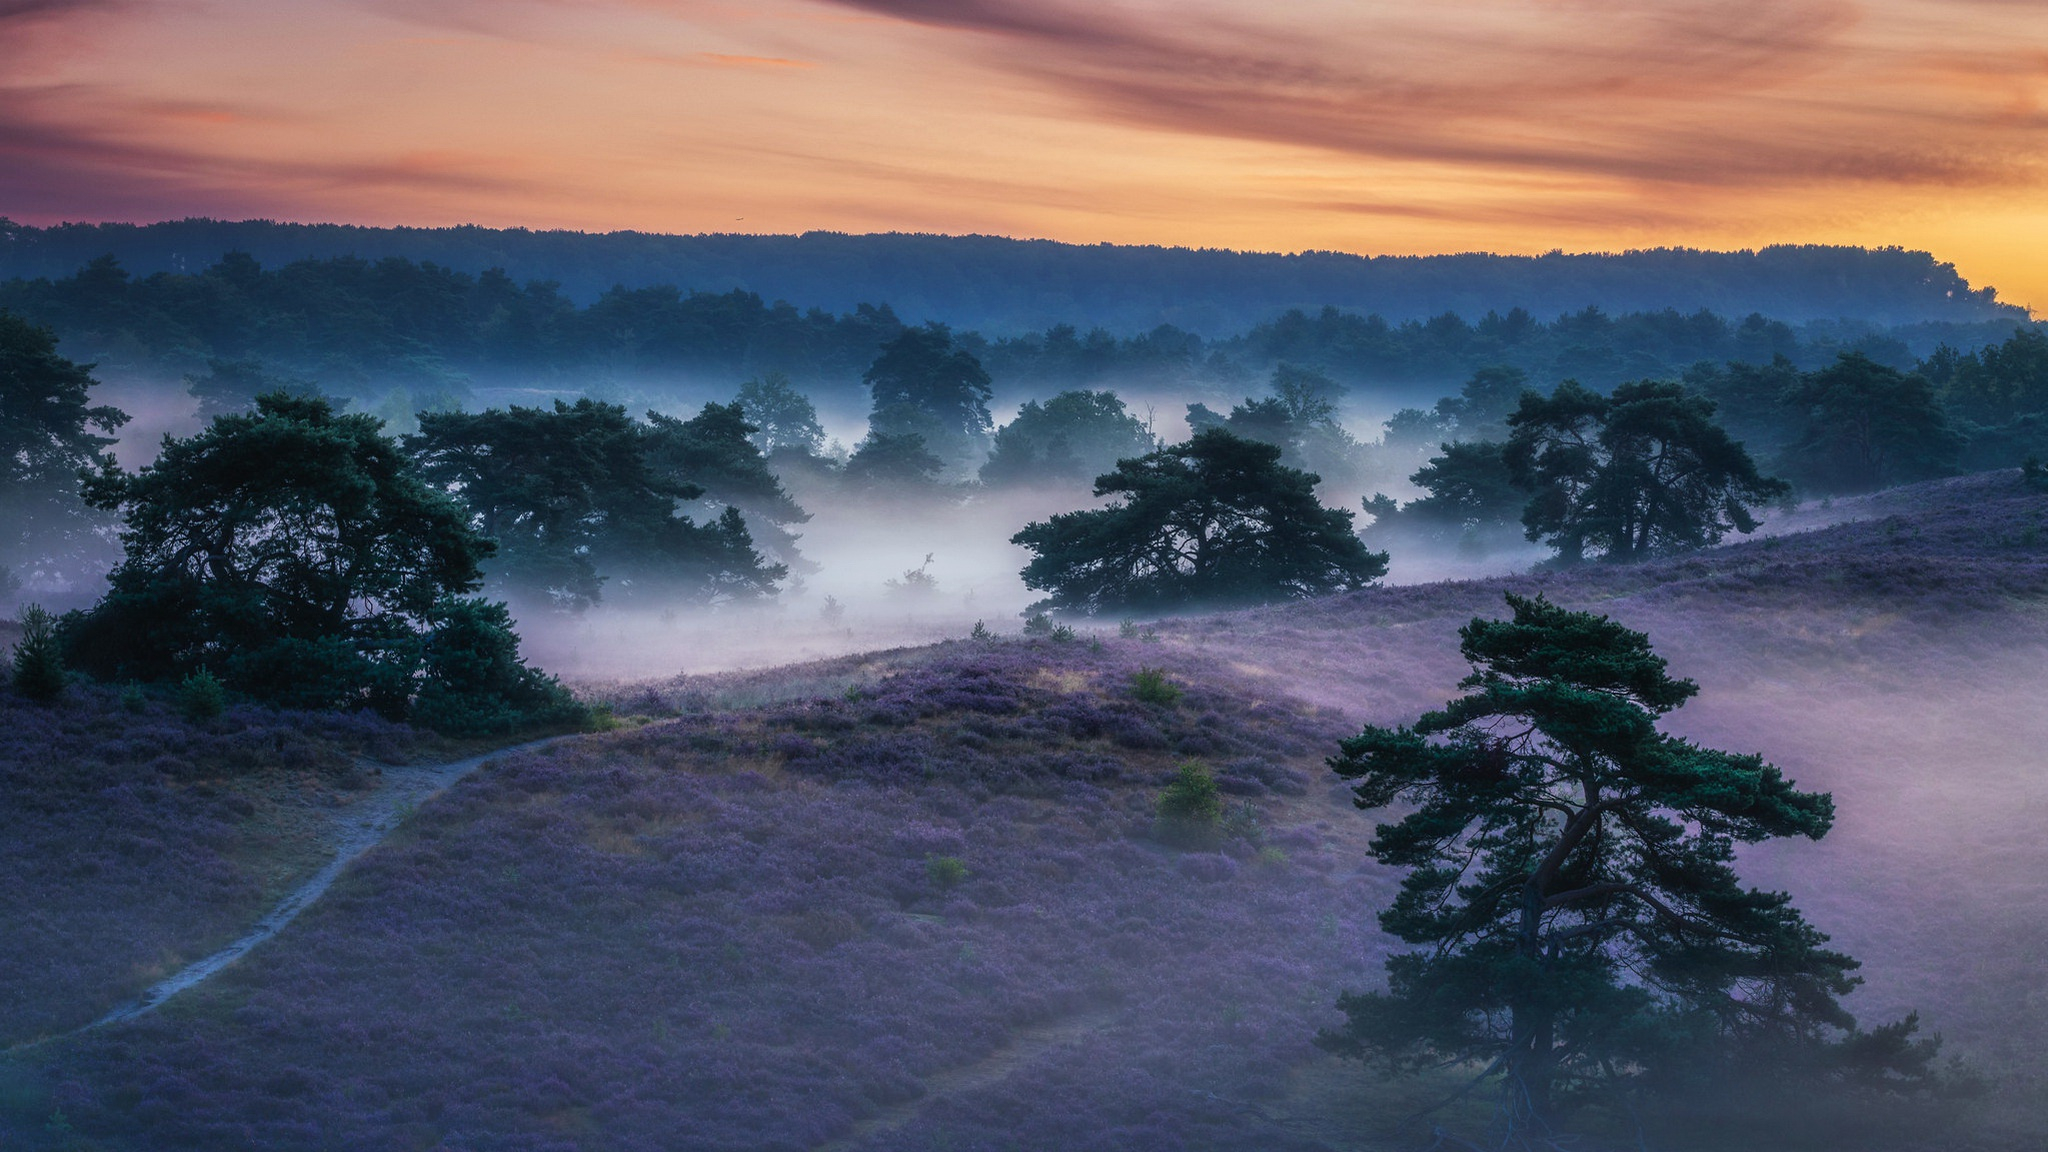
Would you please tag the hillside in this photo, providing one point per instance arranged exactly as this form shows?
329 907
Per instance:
1005 287
731 927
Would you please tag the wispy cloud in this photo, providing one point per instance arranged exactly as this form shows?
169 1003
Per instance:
1703 92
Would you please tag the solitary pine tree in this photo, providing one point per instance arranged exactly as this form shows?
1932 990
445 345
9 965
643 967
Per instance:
1581 929
1217 520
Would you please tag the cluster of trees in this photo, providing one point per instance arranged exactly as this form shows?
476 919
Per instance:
998 284
1576 468
362 327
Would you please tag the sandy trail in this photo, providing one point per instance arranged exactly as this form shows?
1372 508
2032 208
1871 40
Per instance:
363 828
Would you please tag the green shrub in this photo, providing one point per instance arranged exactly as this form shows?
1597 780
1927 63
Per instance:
981 633
38 663
476 683
1151 686
1062 634
1038 624
1192 797
201 697
945 871
1127 629
133 699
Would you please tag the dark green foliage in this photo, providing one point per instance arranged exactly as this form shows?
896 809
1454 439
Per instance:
134 699
945 871
1998 382
2034 474
1756 403
1037 624
1639 473
1151 686
1867 426
293 550
923 383
1472 500
1217 520
477 685
201 696
715 451
1581 930
232 385
581 494
1300 419
1067 439
1193 798
783 418
49 431
38 661
892 464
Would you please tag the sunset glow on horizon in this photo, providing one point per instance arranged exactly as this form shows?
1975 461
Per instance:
1501 125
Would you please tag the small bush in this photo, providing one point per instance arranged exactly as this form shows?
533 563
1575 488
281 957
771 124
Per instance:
38 665
1151 686
1062 634
945 871
1190 808
2035 474
1038 624
133 698
981 633
832 611
201 697
1127 630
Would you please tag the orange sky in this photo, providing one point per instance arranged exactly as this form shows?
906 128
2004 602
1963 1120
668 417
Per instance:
1505 125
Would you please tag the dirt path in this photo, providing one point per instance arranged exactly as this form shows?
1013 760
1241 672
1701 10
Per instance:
1027 1045
362 827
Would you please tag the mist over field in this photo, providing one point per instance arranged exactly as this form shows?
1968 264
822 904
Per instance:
765 737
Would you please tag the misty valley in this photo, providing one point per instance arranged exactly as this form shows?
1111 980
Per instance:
1097 699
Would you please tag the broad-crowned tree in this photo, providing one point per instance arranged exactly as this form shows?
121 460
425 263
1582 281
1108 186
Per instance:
49 431
783 418
1217 520
1624 477
1868 426
715 450
924 384
1471 500
292 552
1070 438
1580 927
574 501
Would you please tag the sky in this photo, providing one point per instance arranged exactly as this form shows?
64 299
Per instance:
1497 125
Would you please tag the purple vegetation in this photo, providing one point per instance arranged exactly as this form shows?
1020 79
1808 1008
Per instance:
130 842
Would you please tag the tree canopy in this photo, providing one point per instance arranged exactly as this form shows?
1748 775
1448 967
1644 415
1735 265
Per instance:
49 431
716 451
922 383
1867 426
296 554
1217 520
1071 437
783 418
1579 924
1630 475
574 500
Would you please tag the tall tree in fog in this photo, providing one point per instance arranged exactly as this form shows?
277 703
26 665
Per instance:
49 431
1215 521
1867 426
1624 477
783 418
574 501
923 383
715 451
1580 930
1068 439
1470 499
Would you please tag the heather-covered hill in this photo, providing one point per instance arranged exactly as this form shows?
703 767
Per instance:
918 899
134 841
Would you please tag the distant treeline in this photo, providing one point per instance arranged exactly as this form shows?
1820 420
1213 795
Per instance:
363 327
1008 287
